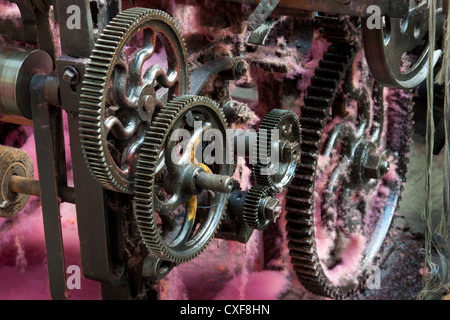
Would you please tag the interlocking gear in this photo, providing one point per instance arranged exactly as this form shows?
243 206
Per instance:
139 63
339 199
260 207
176 210
287 142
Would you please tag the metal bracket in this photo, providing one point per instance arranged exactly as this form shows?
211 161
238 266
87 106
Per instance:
49 136
258 22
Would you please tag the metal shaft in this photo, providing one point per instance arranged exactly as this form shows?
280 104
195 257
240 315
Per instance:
214 182
32 187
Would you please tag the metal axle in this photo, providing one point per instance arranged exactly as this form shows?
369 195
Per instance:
32 187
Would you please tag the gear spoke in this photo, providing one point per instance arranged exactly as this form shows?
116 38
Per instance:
116 102
157 75
340 203
183 239
116 127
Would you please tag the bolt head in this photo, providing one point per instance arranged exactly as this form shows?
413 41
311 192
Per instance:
376 166
272 208
71 76
290 151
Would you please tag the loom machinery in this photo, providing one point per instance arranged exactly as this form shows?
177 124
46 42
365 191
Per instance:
130 74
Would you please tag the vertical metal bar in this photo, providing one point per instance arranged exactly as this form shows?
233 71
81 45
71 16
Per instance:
79 41
91 214
47 152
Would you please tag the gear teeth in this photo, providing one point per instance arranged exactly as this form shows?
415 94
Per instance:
300 196
252 204
155 139
273 120
92 103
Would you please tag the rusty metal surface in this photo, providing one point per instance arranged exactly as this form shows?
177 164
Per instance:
51 165
25 185
354 8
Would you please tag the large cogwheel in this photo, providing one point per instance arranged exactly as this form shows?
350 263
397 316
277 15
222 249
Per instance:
139 63
343 197
176 218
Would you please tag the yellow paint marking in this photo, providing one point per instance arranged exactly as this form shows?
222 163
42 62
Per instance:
192 203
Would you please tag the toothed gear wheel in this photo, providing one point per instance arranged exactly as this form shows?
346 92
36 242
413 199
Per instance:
253 214
139 63
168 230
287 142
398 40
338 209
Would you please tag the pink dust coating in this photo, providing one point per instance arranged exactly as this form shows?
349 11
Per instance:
9 10
23 269
263 285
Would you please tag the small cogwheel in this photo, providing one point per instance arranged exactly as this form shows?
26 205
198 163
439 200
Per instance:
260 207
279 129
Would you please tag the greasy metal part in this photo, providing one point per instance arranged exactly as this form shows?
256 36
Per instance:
236 202
48 131
263 10
71 75
351 8
230 67
119 97
260 207
176 226
388 47
233 227
17 67
259 36
29 186
214 182
376 166
287 142
70 93
24 185
155 268
271 208
13 162
257 22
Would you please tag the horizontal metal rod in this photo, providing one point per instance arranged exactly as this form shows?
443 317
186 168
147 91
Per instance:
32 187
214 182
16 120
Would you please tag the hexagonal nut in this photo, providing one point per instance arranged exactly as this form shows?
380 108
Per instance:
71 75
272 208
290 151
376 166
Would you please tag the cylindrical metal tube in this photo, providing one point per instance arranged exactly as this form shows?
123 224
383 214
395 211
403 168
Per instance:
32 187
214 182
16 120
17 67
25 185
